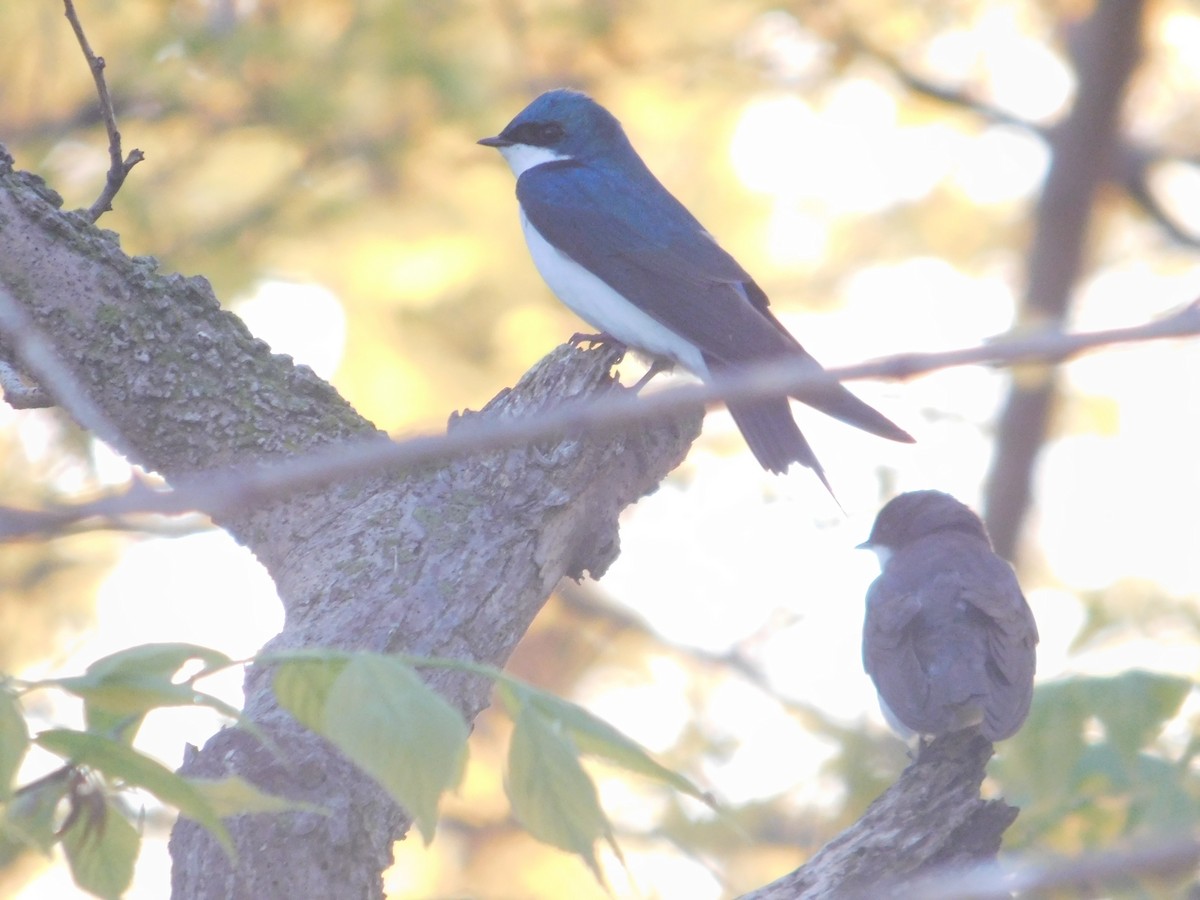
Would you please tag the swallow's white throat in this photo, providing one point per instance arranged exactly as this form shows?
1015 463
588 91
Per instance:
883 553
523 157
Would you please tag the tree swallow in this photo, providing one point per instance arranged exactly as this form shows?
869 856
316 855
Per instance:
948 639
617 248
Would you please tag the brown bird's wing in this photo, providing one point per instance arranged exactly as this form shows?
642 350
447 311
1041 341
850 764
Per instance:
1012 637
890 655
949 640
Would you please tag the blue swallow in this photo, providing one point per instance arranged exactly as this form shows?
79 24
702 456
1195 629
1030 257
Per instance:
617 248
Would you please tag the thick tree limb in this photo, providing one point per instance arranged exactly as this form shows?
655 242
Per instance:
1105 52
931 819
452 560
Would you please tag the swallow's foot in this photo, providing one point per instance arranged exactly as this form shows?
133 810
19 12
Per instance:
600 338
658 365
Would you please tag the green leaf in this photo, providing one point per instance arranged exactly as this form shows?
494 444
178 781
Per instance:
101 847
1134 706
120 762
1164 801
302 687
119 709
513 696
1038 765
27 821
399 731
130 696
1050 764
596 737
120 689
234 795
155 659
551 794
14 741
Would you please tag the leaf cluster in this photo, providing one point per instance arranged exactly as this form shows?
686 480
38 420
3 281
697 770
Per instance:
374 708
1097 762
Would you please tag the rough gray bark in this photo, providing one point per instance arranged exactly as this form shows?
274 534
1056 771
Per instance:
931 820
451 559
1105 51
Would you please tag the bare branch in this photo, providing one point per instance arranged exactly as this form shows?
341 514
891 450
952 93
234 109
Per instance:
952 96
1084 148
932 817
118 168
1172 859
232 490
444 560
1130 167
896 849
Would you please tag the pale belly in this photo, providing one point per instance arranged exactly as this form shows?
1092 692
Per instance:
603 308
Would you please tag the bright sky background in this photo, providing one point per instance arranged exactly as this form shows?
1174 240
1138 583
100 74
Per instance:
725 557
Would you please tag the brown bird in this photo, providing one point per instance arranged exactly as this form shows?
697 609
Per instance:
948 638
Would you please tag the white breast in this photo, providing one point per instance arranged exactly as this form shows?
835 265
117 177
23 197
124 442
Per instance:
523 157
603 308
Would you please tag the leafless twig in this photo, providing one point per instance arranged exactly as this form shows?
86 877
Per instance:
118 168
1172 859
231 490
953 96
1130 168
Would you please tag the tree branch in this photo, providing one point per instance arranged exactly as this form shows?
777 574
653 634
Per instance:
1106 49
1130 164
451 560
931 819
36 355
224 492
118 168
1164 862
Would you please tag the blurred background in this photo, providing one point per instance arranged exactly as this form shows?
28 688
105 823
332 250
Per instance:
878 166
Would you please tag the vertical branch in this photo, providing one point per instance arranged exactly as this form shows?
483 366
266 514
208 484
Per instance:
118 168
1105 50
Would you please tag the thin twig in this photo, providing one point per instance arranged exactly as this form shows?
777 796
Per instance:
228 491
950 95
1173 858
1130 167
118 168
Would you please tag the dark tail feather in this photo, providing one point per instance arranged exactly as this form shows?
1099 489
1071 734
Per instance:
768 427
834 400
773 436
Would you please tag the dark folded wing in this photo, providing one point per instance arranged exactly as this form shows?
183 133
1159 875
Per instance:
1012 653
646 246
890 653
657 256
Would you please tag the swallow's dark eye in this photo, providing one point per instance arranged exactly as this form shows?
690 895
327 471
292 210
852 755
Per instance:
537 134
